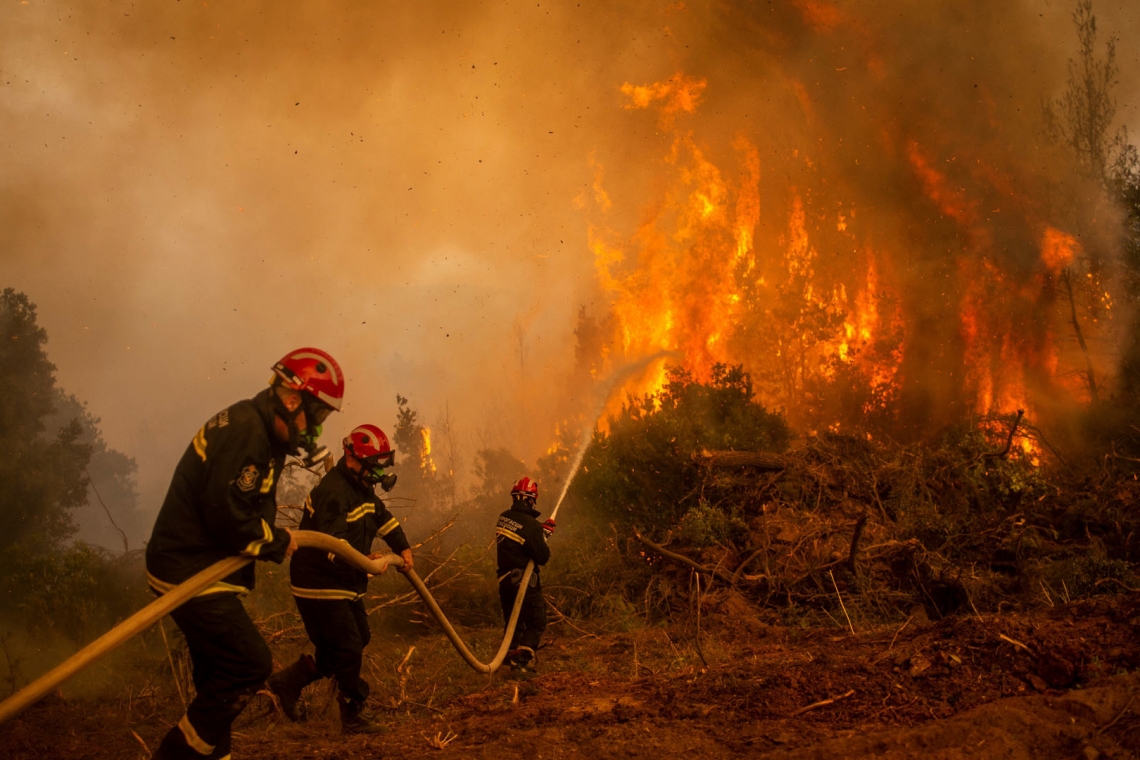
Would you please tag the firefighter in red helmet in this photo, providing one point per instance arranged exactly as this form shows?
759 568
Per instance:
222 501
329 592
520 539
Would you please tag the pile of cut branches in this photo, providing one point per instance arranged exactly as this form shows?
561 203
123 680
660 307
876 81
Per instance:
985 515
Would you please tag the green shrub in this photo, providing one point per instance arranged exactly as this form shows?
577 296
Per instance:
705 525
642 473
76 593
1076 577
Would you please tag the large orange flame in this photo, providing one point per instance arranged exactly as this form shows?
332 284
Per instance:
693 278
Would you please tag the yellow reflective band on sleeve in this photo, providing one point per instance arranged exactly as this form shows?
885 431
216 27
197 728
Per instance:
309 505
196 742
389 526
161 587
200 444
267 484
254 547
327 594
512 536
367 508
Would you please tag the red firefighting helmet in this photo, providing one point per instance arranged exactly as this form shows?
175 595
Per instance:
314 371
525 487
369 444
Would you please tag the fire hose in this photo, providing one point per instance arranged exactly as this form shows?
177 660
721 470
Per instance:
182 593
156 610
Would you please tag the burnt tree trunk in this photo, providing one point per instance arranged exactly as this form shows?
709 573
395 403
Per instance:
1090 376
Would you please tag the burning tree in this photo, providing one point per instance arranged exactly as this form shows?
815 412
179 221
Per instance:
903 267
414 465
875 269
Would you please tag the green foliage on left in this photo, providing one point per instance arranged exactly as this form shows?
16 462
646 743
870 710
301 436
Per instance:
77 592
111 518
47 582
41 479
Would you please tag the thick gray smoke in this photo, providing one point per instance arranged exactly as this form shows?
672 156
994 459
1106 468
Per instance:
190 189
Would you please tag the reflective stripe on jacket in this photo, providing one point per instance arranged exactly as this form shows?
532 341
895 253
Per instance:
344 508
222 500
519 539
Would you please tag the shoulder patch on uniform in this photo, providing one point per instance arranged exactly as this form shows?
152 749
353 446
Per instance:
248 478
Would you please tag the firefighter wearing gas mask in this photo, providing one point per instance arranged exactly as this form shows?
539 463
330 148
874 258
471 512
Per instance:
521 538
222 501
329 592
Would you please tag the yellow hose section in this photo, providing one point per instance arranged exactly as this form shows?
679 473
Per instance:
325 542
176 597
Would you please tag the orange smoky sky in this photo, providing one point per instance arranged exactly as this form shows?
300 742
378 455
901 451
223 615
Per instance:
190 189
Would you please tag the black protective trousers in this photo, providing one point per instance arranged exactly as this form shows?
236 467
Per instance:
231 661
532 617
339 630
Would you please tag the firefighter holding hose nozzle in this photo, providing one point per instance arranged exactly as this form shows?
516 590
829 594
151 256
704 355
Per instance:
222 501
329 592
520 539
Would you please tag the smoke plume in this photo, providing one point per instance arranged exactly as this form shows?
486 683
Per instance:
189 190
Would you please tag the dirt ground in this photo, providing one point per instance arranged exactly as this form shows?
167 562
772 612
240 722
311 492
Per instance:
1063 682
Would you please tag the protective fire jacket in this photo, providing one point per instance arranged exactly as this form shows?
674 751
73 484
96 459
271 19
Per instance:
345 508
222 501
520 539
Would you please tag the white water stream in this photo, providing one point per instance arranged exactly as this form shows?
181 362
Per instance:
602 397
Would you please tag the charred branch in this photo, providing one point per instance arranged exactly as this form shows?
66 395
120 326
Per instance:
710 571
1009 439
1090 376
855 536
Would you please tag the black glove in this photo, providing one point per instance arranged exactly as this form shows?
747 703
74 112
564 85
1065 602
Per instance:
548 527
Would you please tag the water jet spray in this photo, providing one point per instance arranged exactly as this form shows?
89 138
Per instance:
602 397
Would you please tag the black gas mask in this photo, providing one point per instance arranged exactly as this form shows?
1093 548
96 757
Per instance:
303 443
372 471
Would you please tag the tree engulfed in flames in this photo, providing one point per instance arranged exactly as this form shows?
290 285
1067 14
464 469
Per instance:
427 463
829 339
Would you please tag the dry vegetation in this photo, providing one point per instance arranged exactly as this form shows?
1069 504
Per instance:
720 590
840 598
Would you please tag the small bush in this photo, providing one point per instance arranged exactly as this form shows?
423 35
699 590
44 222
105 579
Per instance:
705 525
1076 577
641 472
76 593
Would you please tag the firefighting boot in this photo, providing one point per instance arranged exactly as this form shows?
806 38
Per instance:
356 718
222 749
522 659
287 684
174 747
183 743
